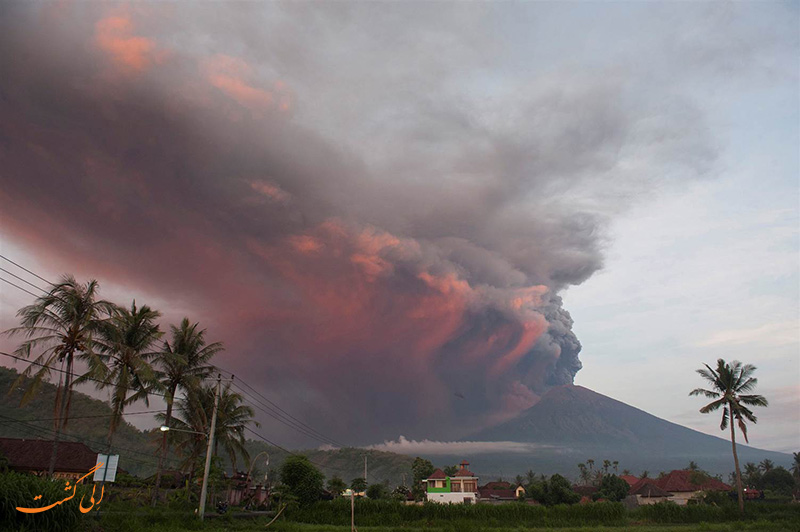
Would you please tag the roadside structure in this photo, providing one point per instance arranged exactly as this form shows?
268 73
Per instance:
461 488
683 486
74 459
646 492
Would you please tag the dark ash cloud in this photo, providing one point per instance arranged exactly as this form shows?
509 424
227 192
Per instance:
378 237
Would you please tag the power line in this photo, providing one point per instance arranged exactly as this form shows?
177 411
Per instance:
17 286
104 383
270 412
274 410
85 440
308 430
290 452
25 269
97 416
23 280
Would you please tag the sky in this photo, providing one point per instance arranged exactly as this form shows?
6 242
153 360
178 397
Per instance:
413 219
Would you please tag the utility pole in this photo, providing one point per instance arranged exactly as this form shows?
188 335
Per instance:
352 512
204 490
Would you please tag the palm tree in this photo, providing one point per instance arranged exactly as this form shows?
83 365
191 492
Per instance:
730 383
122 361
751 474
196 412
183 364
766 465
63 324
796 465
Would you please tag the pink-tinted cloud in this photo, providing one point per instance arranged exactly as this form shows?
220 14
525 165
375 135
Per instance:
232 76
114 35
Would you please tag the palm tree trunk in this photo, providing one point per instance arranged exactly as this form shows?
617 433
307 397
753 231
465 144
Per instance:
736 463
62 411
164 446
111 428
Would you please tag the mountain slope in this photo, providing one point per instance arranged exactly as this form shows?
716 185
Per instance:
138 449
574 423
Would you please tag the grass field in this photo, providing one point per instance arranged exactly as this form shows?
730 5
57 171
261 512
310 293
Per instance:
214 525
769 518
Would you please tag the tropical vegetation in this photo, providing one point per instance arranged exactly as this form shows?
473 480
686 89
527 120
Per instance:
730 384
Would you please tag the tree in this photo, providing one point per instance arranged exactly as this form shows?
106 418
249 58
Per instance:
450 470
197 409
401 493
63 324
557 490
336 486
779 480
122 360
730 383
302 479
358 484
421 470
766 465
752 475
645 474
693 466
584 473
378 491
183 364
796 465
613 488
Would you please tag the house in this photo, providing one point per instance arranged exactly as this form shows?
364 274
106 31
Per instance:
74 459
630 479
683 486
647 492
462 487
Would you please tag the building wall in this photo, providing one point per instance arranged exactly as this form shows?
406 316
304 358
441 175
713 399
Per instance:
452 497
681 498
444 489
650 500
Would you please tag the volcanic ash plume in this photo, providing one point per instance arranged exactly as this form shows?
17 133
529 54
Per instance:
352 242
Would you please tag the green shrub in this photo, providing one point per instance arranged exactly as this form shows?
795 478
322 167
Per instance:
671 513
19 490
460 516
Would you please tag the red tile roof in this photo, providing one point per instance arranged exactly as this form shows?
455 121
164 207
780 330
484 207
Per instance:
486 493
34 455
464 472
437 475
681 481
630 479
498 485
647 488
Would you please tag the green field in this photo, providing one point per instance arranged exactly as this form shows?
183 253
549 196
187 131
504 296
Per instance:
437 518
